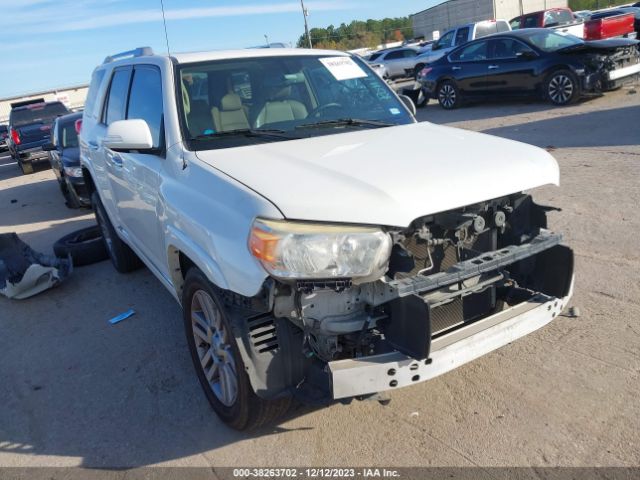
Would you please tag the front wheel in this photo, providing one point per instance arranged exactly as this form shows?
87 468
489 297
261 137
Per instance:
448 95
562 88
123 258
217 360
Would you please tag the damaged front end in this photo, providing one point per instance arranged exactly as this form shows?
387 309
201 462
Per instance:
608 64
458 284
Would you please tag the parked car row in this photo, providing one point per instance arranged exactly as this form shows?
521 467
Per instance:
558 67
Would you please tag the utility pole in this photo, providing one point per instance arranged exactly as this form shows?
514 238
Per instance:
305 14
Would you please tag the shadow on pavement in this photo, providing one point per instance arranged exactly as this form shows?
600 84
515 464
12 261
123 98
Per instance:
602 128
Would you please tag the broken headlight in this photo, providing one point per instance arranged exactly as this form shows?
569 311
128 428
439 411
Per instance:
296 250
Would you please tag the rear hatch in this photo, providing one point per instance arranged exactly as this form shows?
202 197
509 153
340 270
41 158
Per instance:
34 122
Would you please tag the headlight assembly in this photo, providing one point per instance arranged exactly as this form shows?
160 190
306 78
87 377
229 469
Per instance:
296 250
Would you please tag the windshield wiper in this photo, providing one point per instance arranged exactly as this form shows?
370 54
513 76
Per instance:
349 122
246 132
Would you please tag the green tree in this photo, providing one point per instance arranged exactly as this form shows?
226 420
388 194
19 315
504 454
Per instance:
359 34
577 5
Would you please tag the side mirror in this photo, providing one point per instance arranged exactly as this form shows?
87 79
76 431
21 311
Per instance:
409 104
128 135
48 147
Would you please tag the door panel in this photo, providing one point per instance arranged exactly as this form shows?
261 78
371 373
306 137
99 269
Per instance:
469 67
509 71
135 176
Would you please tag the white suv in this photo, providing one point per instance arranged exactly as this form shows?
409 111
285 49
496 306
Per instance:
276 194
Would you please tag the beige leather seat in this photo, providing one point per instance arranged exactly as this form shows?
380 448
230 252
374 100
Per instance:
281 108
231 115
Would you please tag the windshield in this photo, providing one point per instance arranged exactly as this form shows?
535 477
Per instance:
37 113
550 41
229 103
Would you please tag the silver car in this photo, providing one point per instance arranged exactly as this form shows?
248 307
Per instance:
396 62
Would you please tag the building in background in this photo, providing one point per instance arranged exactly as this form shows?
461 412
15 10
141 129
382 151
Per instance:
438 19
72 97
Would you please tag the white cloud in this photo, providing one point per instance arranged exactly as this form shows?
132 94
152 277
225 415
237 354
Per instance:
91 20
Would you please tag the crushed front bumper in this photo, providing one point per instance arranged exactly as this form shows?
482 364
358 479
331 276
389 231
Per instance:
379 373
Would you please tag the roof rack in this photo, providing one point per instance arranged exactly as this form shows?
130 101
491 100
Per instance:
138 52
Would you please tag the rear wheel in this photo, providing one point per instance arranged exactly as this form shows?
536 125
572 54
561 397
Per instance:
562 88
26 166
448 95
217 360
123 258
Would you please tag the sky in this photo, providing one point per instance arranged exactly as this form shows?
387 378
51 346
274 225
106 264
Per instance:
50 44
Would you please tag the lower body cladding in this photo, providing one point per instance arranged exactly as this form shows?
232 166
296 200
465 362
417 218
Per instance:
460 284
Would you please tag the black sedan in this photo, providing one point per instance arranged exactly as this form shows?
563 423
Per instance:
64 155
533 61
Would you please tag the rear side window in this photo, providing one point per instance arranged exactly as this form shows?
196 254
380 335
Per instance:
462 36
117 96
395 55
145 100
473 53
94 88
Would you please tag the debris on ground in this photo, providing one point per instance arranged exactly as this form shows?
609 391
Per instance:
25 272
122 317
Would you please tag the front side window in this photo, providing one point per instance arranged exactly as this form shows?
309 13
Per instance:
557 17
395 55
145 100
115 109
446 40
507 48
260 100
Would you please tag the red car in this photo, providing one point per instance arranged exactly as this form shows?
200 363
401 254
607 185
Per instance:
609 24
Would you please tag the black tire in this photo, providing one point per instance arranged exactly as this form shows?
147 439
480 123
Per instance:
26 167
562 88
123 258
448 95
85 246
70 200
247 411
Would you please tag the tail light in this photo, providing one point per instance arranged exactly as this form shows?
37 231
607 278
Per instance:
78 125
15 137
425 71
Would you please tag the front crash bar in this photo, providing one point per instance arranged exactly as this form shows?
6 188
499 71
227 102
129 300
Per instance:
486 262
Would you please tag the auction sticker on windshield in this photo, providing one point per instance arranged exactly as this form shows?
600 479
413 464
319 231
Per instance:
343 68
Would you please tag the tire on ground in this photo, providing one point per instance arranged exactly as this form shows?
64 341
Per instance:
123 258
562 87
247 411
448 95
85 246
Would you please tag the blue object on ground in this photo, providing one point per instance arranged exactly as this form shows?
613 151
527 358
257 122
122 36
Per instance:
122 317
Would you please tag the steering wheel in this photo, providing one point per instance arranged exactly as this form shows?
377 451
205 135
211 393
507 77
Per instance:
316 111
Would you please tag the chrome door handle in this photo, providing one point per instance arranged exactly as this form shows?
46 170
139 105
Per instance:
455 69
93 145
493 67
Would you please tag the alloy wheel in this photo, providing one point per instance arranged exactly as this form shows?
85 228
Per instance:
213 343
560 89
447 96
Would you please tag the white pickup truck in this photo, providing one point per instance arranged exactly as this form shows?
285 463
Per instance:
314 254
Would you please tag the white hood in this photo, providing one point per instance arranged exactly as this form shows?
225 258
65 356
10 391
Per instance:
387 176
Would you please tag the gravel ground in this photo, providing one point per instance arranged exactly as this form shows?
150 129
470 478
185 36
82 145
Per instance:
76 391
